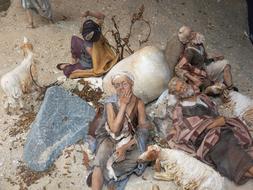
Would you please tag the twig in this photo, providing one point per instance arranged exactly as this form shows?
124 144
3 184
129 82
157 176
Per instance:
122 44
118 39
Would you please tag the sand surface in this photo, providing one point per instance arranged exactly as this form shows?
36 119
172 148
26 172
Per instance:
222 22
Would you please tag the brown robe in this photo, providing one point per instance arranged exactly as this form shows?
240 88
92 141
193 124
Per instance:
103 59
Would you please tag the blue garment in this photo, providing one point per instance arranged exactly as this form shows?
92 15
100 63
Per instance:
142 138
85 58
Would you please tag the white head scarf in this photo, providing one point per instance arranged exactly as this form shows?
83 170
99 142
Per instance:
122 73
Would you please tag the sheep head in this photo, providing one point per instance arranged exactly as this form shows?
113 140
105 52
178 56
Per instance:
151 154
26 47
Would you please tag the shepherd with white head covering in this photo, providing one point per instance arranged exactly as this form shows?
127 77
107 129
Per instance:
122 135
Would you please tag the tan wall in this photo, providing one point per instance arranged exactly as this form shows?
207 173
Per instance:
4 5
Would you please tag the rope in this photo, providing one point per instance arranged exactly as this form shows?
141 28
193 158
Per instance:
43 87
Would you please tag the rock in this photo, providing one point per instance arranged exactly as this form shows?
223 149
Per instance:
68 84
160 113
62 120
150 70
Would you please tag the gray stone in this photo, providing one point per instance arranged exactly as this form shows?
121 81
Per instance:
62 120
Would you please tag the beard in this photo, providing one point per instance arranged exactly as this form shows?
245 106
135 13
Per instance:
121 92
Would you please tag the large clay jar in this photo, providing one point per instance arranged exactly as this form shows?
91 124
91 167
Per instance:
150 70
173 50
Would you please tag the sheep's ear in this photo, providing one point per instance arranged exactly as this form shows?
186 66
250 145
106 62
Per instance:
25 40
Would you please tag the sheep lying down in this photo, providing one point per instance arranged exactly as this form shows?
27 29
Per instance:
242 107
186 171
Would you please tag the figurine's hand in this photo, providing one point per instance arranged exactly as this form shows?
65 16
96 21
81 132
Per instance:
120 154
126 97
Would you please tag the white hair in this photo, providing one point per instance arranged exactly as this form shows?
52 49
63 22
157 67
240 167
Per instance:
184 35
122 73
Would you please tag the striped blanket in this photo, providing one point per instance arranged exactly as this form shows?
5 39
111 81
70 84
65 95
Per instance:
190 133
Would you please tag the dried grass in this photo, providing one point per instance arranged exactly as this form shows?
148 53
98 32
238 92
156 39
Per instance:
89 94
27 177
23 124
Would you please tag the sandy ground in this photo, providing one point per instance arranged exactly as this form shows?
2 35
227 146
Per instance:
222 22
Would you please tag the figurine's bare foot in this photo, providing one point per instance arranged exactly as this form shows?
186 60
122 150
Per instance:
51 21
61 66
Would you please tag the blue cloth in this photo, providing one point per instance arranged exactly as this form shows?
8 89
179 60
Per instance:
85 58
142 142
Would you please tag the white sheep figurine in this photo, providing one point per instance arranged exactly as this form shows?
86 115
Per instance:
18 81
242 107
186 171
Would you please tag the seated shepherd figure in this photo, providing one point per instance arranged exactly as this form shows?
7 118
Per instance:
197 68
121 135
92 55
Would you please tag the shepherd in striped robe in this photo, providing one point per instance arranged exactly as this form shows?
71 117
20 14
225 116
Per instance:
224 143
